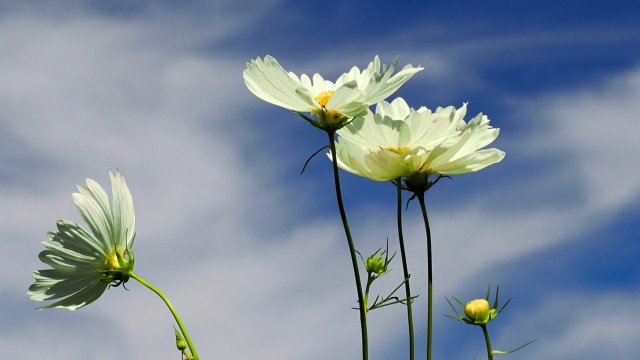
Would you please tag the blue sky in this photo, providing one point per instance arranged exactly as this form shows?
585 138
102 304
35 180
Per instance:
251 253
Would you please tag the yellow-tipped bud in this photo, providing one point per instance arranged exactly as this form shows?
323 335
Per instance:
478 311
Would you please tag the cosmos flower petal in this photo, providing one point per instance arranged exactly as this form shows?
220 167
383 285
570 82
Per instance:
430 129
84 297
397 109
472 162
73 237
94 210
75 248
59 256
385 84
469 141
57 283
267 80
387 165
348 98
350 162
122 211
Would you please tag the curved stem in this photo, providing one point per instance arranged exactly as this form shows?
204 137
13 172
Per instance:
420 197
405 268
487 341
183 329
352 250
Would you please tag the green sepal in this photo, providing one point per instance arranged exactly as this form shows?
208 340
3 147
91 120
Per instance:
323 123
460 317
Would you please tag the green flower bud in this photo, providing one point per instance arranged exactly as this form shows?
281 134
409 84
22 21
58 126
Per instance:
181 344
376 264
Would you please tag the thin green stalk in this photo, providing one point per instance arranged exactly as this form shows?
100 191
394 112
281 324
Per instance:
183 329
487 341
352 250
420 197
405 268
366 292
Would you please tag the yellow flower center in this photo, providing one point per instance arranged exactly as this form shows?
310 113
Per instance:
111 262
323 98
399 151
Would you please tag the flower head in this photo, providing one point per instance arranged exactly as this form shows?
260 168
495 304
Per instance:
332 102
400 142
84 263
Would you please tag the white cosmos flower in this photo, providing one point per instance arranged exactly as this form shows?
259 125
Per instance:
349 96
84 263
398 141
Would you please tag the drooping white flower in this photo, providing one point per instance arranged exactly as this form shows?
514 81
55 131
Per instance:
398 142
84 263
349 96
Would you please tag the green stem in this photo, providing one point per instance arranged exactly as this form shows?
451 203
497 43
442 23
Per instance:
183 329
487 341
405 268
420 197
366 292
352 250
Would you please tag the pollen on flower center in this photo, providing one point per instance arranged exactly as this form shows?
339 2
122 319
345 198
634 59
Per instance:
323 97
111 262
399 151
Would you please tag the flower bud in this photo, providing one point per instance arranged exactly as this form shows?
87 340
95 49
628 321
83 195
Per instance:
376 264
181 344
478 311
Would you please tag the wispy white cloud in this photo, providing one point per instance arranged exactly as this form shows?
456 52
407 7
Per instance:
576 325
598 125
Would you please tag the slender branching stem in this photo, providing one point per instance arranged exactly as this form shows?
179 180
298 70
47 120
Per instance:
405 269
352 250
183 329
